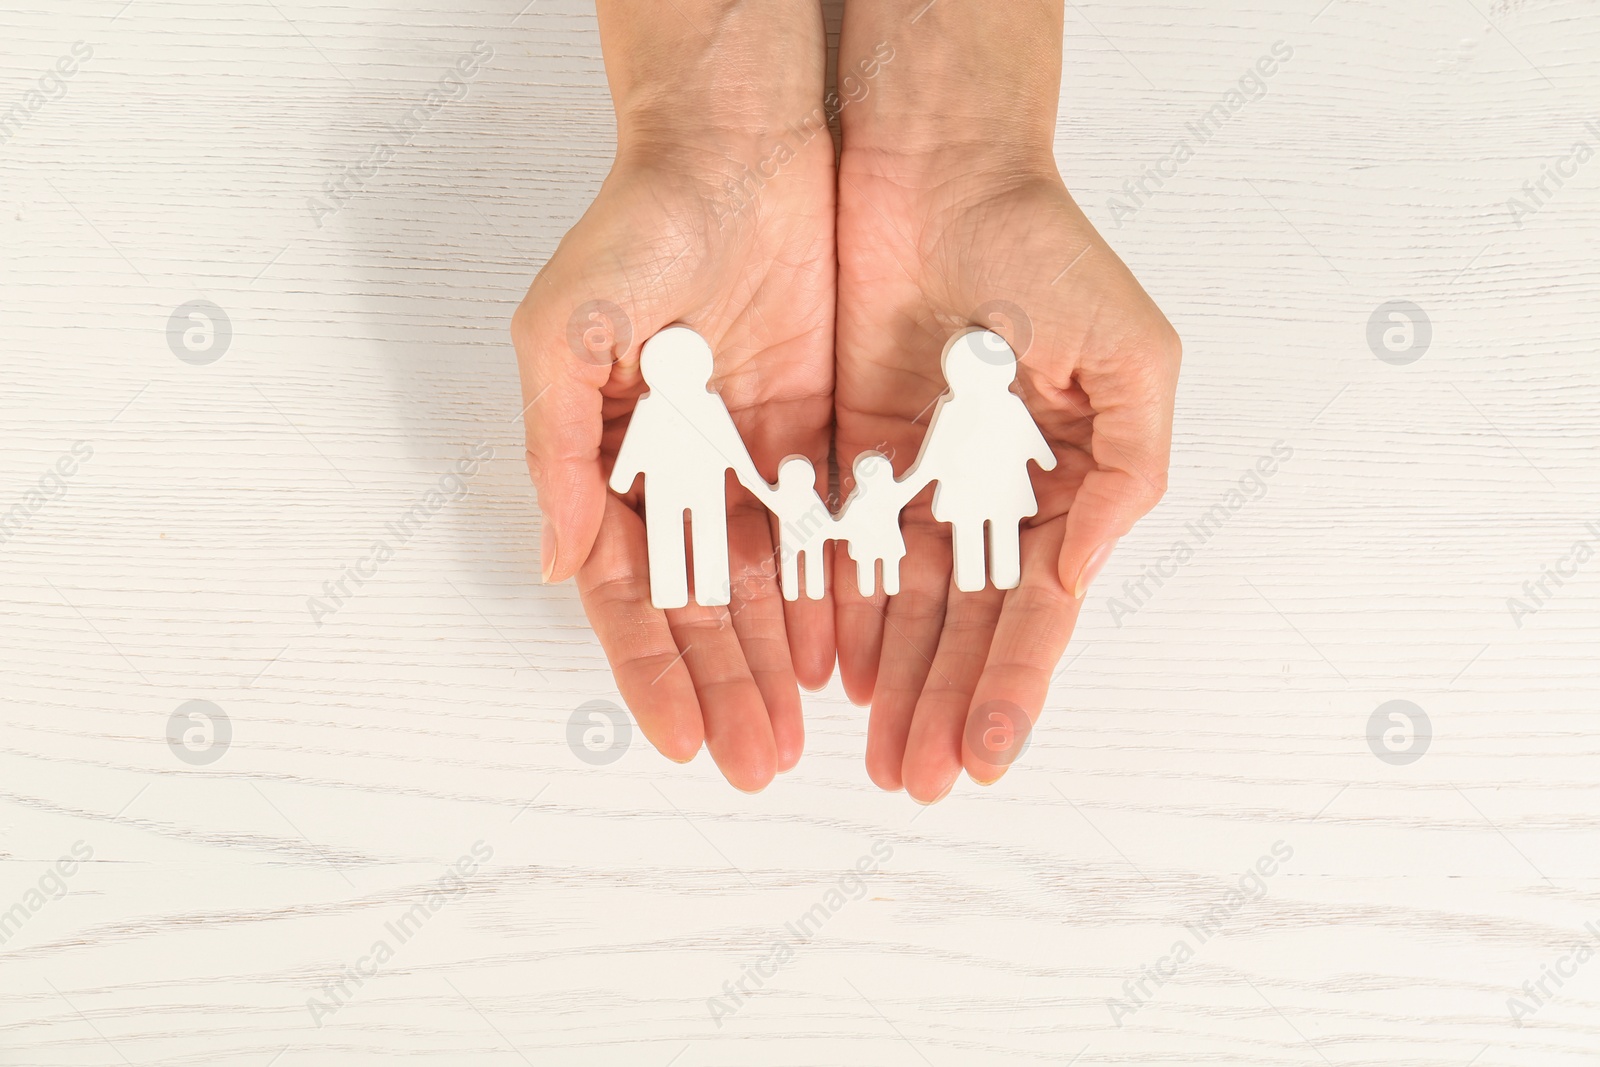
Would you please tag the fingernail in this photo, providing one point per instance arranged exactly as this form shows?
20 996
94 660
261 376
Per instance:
935 800
1091 568
547 551
989 781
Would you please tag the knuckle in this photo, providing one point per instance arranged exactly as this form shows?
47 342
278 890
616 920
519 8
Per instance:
1161 483
1153 488
1153 342
523 330
1164 339
536 467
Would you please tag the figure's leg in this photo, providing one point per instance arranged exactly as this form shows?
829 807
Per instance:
816 574
866 575
708 526
1005 553
891 573
967 544
669 575
788 570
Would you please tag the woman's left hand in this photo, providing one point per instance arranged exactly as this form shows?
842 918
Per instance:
929 245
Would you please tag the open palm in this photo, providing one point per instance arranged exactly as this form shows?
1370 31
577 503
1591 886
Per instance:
956 679
667 243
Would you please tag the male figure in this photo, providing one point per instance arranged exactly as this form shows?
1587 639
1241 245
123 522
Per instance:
682 439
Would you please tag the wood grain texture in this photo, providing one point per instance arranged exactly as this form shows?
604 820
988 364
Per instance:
1182 740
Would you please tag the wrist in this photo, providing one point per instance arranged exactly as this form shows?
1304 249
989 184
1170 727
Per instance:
942 84
708 145
949 161
711 76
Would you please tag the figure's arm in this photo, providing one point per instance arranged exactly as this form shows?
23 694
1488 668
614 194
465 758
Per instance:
925 468
629 463
737 457
744 469
1042 453
1030 437
916 480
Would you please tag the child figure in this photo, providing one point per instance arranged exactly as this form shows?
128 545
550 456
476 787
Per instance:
805 527
870 522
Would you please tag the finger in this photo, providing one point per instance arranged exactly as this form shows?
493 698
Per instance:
737 726
811 636
562 414
933 748
614 584
858 628
910 627
1035 625
1132 400
757 614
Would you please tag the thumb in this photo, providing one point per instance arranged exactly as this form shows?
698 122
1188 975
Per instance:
565 349
1131 443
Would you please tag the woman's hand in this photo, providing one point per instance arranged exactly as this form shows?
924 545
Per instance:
952 214
718 213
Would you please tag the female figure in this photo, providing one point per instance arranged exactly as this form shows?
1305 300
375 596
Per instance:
978 446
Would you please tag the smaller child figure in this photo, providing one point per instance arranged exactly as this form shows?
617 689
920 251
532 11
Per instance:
870 522
805 527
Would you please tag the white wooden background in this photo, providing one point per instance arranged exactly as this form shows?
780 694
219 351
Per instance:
431 711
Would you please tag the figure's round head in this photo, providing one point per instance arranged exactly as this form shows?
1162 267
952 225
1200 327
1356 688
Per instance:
676 360
870 466
796 471
979 361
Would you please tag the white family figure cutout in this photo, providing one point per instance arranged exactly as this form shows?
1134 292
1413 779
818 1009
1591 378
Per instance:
976 454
